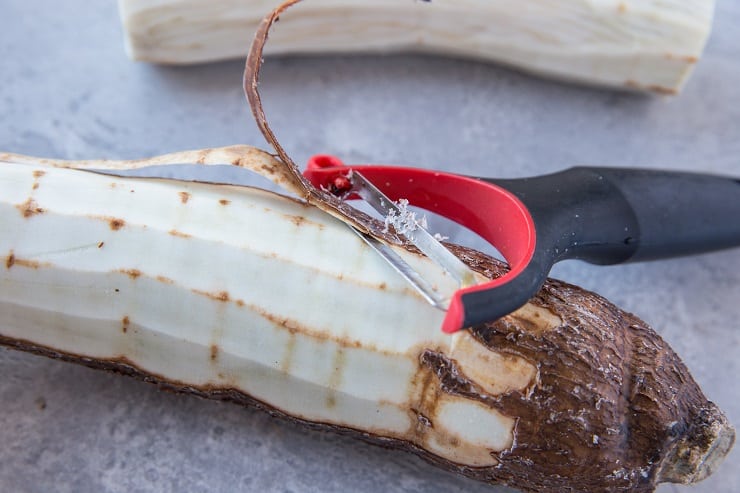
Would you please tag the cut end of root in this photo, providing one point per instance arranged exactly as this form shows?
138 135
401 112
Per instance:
700 451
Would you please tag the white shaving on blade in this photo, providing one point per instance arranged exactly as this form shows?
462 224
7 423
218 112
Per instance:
404 221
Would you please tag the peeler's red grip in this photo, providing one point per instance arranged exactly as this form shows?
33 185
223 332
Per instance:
493 212
455 316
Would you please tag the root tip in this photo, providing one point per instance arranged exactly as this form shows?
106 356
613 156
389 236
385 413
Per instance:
700 450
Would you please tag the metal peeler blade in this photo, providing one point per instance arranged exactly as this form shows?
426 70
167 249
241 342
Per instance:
434 297
417 235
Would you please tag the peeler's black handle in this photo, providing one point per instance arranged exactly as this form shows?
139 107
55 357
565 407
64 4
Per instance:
610 216
615 215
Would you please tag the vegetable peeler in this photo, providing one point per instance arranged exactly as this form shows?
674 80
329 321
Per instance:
600 215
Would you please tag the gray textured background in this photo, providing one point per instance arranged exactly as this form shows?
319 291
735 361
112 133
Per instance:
68 91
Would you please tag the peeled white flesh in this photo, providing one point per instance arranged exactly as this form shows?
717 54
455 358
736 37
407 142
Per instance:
638 44
221 287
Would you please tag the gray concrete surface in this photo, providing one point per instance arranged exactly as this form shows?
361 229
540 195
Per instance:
68 91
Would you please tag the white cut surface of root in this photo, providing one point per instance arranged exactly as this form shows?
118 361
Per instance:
649 45
106 275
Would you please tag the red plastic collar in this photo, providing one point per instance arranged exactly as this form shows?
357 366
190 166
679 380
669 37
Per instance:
494 213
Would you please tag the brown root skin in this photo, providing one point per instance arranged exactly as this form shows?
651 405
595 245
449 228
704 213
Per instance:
613 408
